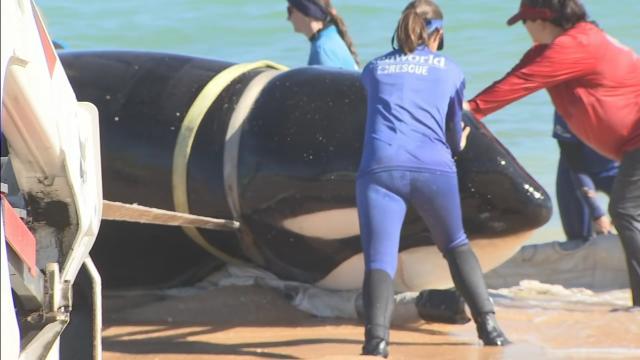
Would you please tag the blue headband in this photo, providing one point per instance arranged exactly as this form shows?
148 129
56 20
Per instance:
433 24
310 8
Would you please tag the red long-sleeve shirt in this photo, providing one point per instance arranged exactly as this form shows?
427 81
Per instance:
593 81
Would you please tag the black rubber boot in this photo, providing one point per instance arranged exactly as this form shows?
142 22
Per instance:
489 331
633 266
467 276
376 347
377 298
632 254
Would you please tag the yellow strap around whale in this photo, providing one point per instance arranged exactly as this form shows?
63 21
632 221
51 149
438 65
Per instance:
187 134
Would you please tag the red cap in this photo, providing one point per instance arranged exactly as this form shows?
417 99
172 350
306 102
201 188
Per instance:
527 12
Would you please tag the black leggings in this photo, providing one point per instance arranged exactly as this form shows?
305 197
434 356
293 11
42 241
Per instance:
624 208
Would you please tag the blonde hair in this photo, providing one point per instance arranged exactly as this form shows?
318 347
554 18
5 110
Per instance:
411 30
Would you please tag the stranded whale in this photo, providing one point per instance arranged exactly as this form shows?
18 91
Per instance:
277 151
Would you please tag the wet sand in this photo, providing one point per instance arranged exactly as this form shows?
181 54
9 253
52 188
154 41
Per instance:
253 322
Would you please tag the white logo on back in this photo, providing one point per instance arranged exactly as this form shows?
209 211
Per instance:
412 64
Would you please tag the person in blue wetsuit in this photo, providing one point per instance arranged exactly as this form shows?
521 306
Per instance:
319 21
581 172
413 129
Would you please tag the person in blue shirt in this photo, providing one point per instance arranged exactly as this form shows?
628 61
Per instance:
581 172
413 130
319 21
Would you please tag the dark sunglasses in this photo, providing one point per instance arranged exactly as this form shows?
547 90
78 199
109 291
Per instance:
289 10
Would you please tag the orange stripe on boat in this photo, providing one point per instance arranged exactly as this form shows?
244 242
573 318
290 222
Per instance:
19 236
47 46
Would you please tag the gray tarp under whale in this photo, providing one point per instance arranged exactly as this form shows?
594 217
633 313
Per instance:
572 270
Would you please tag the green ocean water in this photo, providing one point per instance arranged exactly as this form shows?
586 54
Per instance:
241 31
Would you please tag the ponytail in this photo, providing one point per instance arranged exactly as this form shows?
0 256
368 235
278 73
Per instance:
336 19
412 30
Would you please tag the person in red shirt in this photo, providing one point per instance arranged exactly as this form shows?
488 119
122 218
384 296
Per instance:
594 83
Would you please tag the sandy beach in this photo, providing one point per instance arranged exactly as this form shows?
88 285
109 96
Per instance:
254 322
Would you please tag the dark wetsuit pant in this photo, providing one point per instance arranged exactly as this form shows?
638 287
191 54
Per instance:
382 199
575 213
624 207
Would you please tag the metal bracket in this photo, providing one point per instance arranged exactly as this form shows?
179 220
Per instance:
54 316
58 294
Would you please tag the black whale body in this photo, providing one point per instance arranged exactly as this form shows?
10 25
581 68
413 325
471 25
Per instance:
294 169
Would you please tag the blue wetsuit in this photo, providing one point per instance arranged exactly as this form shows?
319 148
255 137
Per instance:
328 49
580 170
414 108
